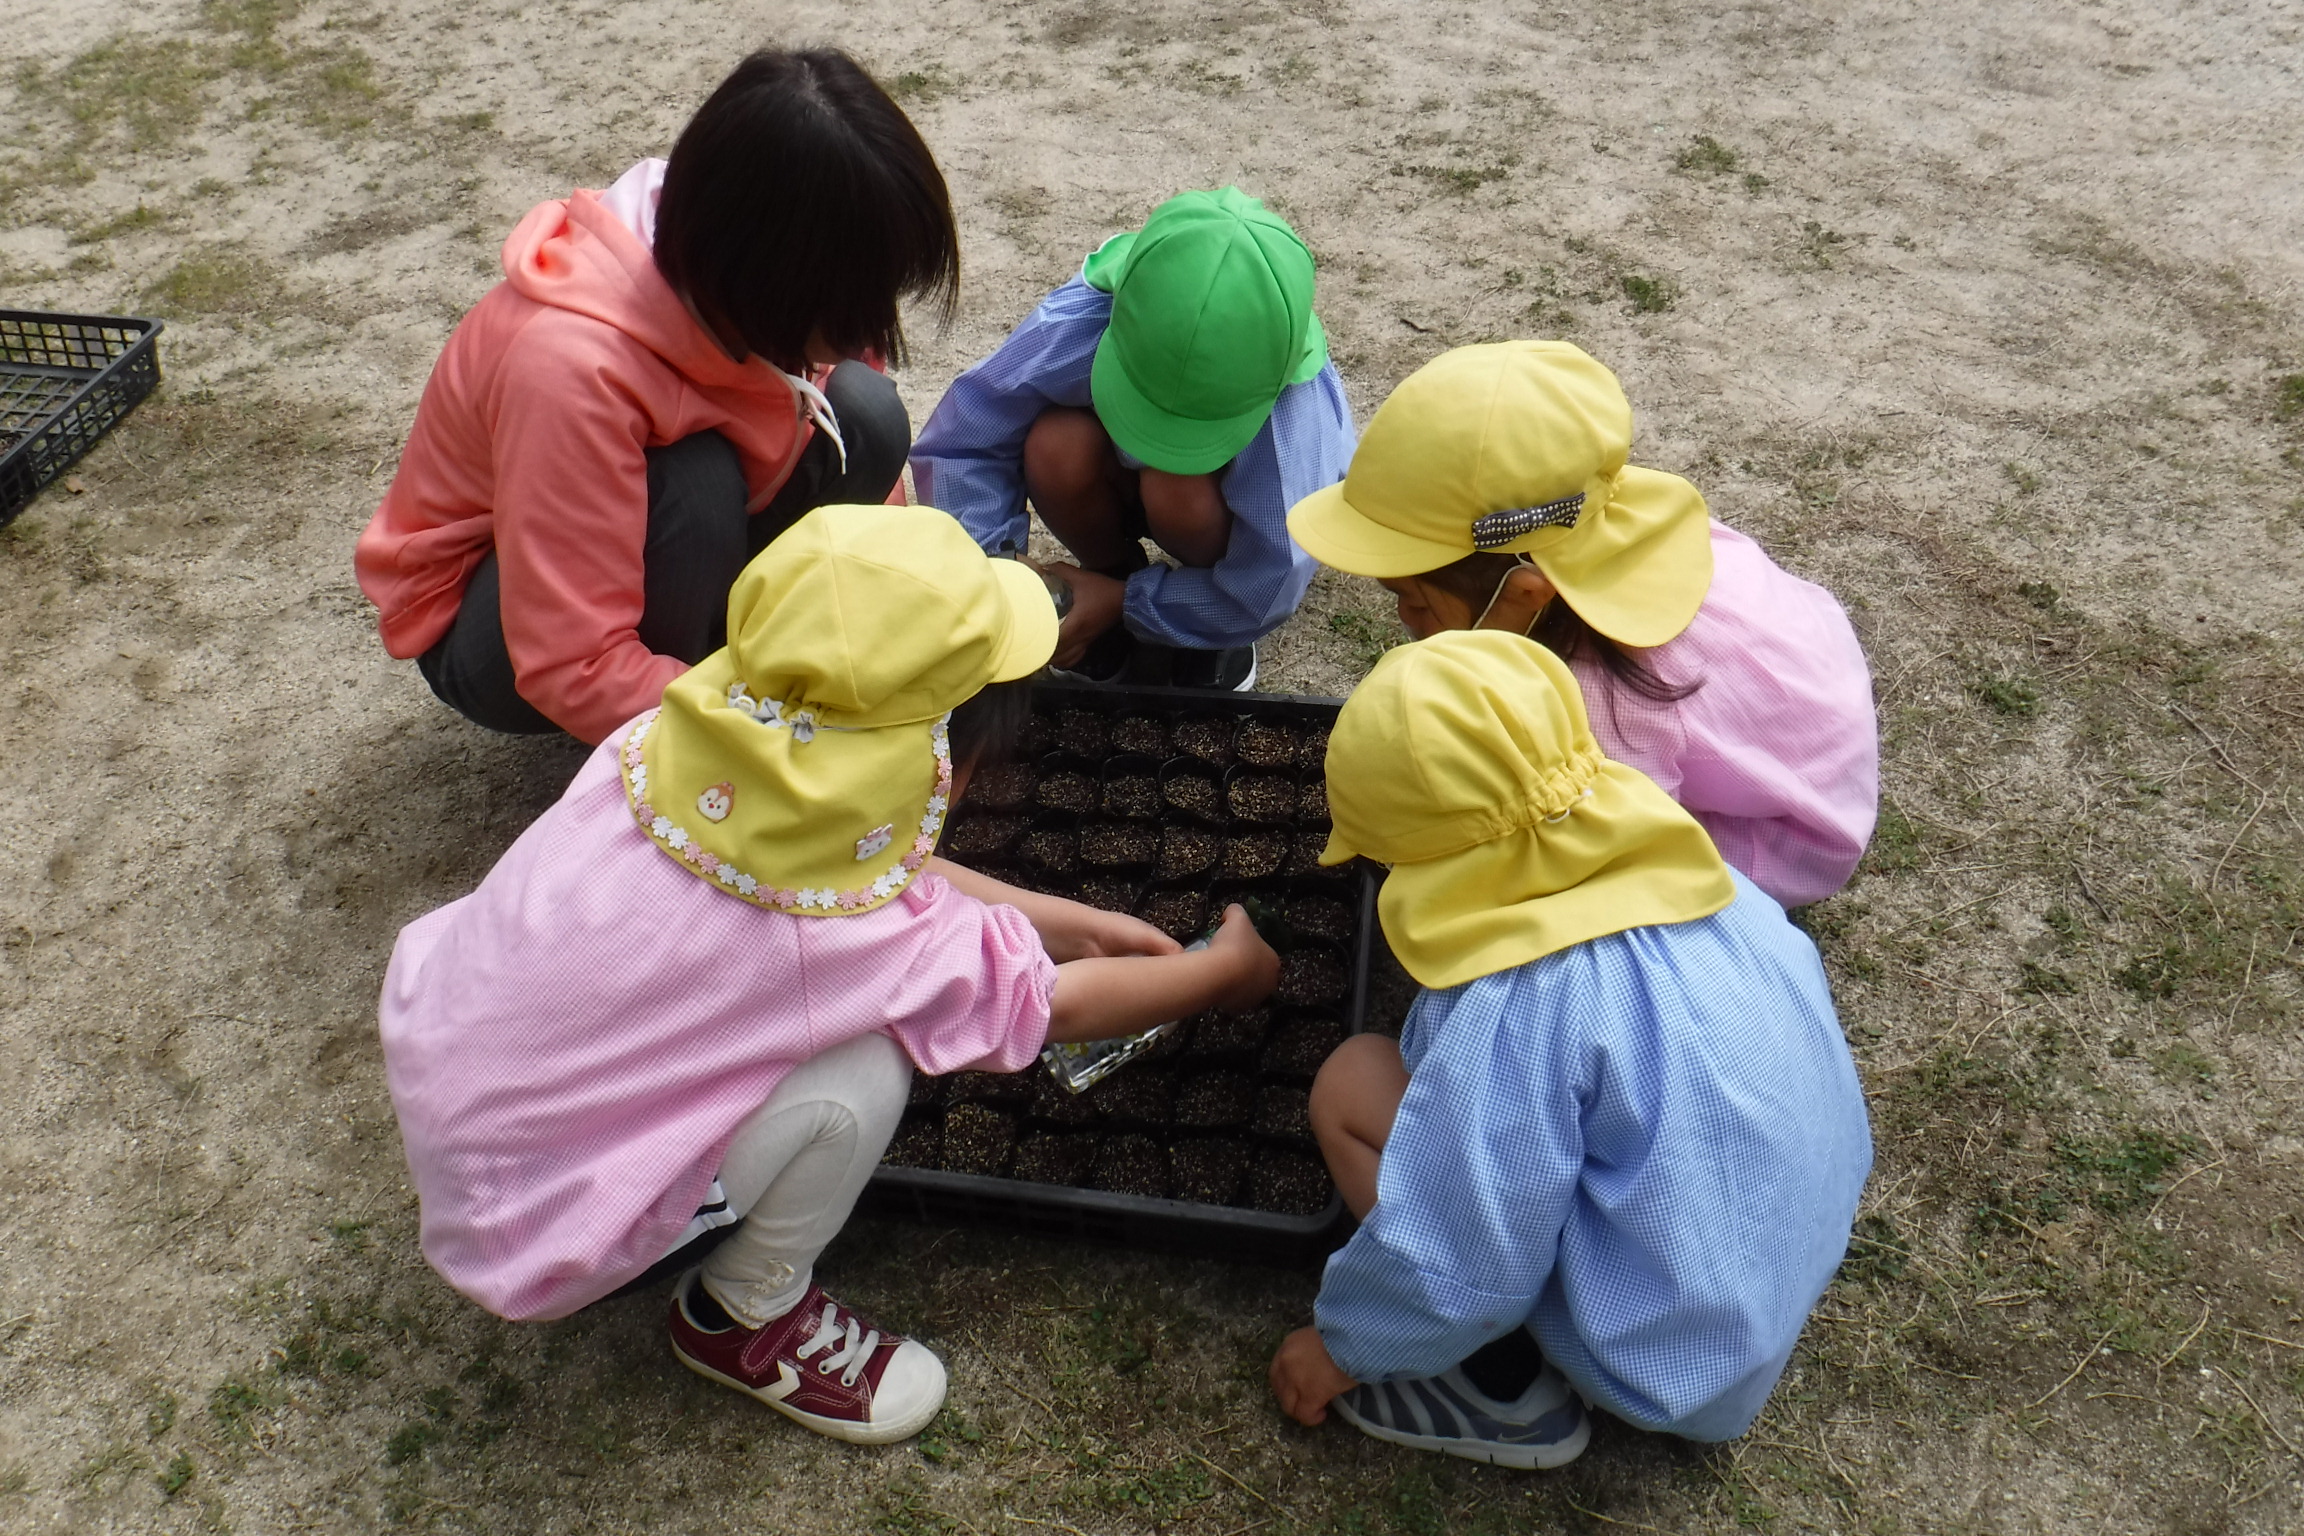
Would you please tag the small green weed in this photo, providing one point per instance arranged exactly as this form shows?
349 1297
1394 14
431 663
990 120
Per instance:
235 1402
2026 481
1895 848
1877 1252
1705 156
214 282
1649 295
2040 594
1460 180
409 1441
1755 183
2118 1173
1371 636
2004 692
160 1414
2288 396
2184 1064
921 86
2039 981
175 1475
141 217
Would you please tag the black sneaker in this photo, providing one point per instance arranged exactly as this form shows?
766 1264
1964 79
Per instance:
1233 669
1106 660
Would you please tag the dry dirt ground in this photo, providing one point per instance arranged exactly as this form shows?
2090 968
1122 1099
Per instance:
1986 316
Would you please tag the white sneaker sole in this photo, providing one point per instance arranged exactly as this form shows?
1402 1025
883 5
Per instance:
1525 1458
836 1429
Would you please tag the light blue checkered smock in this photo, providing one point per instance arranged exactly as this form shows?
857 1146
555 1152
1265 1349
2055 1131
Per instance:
1648 1147
969 460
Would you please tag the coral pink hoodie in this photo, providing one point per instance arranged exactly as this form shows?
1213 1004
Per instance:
530 438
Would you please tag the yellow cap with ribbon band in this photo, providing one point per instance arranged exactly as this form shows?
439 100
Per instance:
806 766
1465 762
1519 447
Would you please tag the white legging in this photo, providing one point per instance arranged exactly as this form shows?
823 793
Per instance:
795 1169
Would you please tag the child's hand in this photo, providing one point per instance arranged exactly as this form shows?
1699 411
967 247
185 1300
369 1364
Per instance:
1305 1379
1090 931
1096 603
1252 963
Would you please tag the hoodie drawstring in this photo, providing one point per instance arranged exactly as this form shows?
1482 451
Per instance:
819 411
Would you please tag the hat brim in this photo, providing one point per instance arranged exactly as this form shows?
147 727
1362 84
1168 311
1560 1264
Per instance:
1178 445
1031 638
1338 534
1641 588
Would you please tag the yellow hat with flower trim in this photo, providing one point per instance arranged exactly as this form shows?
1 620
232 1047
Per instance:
806 767
1519 447
1466 763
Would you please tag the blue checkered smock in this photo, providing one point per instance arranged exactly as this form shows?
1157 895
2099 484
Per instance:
1647 1147
969 460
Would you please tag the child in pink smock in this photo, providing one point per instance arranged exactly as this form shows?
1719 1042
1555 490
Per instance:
694 992
1491 491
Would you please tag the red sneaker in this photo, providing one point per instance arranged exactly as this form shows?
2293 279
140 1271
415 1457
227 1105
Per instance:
819 1364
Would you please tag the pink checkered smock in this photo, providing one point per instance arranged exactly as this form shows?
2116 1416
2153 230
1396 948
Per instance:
571 1046
1778 754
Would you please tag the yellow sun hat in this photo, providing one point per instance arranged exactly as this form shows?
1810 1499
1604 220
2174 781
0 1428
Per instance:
1465 762
1519 447
806 766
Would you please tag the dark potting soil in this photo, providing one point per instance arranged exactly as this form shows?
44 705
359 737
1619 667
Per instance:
1175 913
926 1092
1196 796
1254 855
1312 801
1206 739
1136 1094
978 1140
1210 1171
1230 1034
1184 851
1002 785
1299 1047
1081 733
1004 1090
917 1144
1292 1183
1059 1105
1132 1165
1284 1113
1311 977
1215 1101
1312 749
1138 794
1109 844
1262 798
1304 850
1320 918
1263 744
1051 850
1139 733
1106 894
1067 791
972 837
1054 1157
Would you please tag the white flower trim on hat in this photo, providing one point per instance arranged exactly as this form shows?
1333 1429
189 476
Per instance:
676 840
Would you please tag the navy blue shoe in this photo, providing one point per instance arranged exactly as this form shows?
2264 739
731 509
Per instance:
1546 1426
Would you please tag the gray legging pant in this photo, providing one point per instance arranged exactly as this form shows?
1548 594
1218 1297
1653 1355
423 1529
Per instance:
796 1167
699 540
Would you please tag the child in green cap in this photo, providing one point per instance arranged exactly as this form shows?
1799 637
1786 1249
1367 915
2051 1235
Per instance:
1177 389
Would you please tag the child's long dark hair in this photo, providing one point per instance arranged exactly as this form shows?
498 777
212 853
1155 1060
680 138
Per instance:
801 201
1559 628
986 728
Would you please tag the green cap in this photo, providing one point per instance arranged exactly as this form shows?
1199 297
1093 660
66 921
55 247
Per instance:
1211 319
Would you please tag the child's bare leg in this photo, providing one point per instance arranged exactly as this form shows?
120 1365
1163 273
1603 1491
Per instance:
1072 475
1354 1101
1186 515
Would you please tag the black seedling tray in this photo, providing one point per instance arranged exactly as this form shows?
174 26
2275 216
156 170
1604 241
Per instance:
65 381
1191 1091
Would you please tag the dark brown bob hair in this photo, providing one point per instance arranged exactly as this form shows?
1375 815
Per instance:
801 201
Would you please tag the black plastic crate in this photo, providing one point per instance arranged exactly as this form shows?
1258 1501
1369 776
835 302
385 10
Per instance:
65 381
1138 1221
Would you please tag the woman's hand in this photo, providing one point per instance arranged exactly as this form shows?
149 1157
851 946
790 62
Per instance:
1305 1379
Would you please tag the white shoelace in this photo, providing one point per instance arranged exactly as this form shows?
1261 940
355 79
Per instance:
854 1354
819 412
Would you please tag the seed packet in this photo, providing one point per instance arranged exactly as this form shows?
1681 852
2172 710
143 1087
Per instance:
1081 1064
